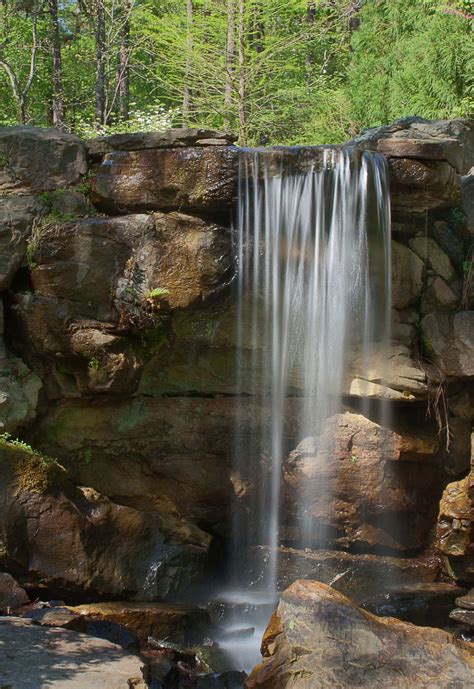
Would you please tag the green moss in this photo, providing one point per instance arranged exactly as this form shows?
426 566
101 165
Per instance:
33 470
428 348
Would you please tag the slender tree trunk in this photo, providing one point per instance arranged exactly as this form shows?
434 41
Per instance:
58 103
100 96
122 74
186 106
21 94
310 19
229 62
241 89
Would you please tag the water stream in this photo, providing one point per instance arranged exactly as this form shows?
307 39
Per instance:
313 287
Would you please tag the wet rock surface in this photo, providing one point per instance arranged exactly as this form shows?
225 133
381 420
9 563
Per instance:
193 179
349 471
318 637
360 576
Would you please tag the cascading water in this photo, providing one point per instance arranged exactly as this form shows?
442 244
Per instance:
313 288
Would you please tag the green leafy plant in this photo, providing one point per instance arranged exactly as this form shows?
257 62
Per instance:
93 364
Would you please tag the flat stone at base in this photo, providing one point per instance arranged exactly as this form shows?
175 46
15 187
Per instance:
32 656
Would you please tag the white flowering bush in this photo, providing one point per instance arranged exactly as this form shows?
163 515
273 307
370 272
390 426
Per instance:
152 118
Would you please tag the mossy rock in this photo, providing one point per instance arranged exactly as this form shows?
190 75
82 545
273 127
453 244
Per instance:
31 470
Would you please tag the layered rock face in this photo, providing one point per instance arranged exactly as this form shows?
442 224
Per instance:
118 359
318 638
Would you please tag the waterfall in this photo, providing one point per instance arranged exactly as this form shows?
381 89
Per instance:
313 251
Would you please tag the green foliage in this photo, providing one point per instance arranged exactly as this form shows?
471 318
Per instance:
410 58
156 293
33 470
300 71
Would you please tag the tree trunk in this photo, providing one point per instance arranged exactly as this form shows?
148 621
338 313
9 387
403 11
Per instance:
122 74
241 90
58 103
310 19
100 101
229 63
186 106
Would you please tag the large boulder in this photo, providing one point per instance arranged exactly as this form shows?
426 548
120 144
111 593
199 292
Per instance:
12 595
318 638
407 276
448 340
415 137
96 281
17 217
363 485
78 540
33 160
188 179
422 185
33 656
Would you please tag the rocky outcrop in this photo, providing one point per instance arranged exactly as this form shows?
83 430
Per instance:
187 179
318 638
455 530
32 655
18 214
12 595
126 331
352 468
449 341
34 160
75 538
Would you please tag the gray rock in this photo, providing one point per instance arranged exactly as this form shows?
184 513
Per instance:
171 138
432 254
70 203
19 391
33 656
467 601
463 616
449 150
462 131
33 159
11 593
407 276
17 215
449 341
467 203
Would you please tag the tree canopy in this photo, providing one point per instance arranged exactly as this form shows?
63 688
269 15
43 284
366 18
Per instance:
275 71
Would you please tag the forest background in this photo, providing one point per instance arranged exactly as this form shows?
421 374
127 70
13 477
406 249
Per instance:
274 71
